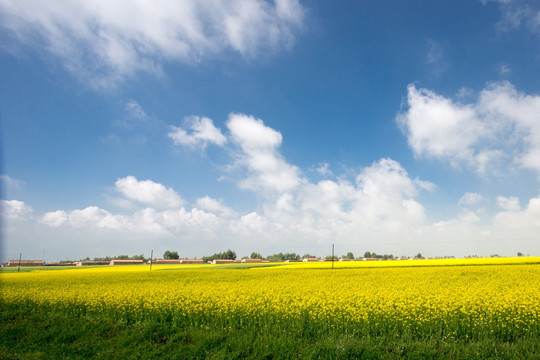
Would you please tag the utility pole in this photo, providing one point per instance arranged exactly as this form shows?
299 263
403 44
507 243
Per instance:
151 259
20 258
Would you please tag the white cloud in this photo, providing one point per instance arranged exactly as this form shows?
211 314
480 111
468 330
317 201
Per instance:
55 218
435 58
249 224
323 169
508 203
90 217
214 206
470 199
386 194
15 210
11 183
501 128
135 110
517 13
469 216
148 192
197 131
259 144
517 222
102 42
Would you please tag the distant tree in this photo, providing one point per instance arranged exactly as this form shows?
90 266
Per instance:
229 254
519 254
121 257
283 257
256 255
308 256
291 256
171 255
106 258
329 258
368 254
350 255
419 256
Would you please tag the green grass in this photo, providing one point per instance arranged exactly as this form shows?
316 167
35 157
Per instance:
14 269
28 331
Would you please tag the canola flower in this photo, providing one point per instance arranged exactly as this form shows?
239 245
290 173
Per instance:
444 298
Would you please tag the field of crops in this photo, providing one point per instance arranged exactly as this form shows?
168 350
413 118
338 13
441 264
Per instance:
438 308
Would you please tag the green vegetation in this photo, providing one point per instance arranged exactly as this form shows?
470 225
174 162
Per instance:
170 255
44 334
227 255
275 311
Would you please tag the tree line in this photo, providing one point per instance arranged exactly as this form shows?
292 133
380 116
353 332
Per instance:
231 255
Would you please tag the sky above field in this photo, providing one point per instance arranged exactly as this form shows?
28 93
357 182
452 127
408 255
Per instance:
269 126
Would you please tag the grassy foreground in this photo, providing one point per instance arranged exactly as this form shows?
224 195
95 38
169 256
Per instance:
425 310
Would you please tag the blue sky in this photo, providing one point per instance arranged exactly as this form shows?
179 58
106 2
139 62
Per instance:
269 126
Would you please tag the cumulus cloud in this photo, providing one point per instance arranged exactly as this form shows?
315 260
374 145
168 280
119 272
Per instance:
197 132
515 222
102 42
508 203
214 206
88 217
148 193
15 210
259 153
501 128
470 199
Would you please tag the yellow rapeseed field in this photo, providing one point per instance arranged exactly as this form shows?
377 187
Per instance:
446 298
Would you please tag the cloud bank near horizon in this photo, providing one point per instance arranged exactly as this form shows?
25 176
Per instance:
378 205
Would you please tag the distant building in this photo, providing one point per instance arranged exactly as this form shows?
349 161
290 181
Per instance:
222 261
92 262
165 261
126 262
12 263
310 259
191 261
345 259
371 259
252 260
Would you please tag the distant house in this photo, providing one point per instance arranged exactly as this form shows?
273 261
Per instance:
126 262
63 263
345 259
165 261
310 259
371 259
191 261
222 261
252 260
92 262
25 263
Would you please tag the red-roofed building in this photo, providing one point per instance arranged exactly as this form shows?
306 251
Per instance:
252 260
165 261
191 261
25 263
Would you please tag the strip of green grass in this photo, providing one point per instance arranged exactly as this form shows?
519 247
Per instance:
32 332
